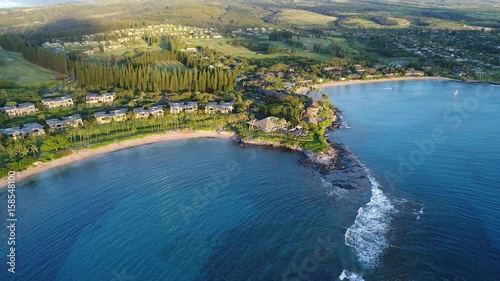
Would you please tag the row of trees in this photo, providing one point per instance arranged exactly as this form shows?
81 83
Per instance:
150 78
331 49
137 73
280 35
34 54
147 58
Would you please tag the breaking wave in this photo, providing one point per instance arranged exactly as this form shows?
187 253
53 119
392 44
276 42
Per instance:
368 234
419 213
351 276
343 123
332 190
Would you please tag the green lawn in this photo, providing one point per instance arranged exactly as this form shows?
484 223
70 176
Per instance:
23 72
302 18
137 48
223 46
359 22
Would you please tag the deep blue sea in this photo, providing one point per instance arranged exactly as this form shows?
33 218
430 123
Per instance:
425 203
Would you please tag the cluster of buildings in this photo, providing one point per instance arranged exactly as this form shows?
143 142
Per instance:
100 98
58 102
65 122
252 31
20 109
102 117
28 108
223 107
113 115
210 108
154 111
358 71
119 39
21 132
37 129
312 110
471 49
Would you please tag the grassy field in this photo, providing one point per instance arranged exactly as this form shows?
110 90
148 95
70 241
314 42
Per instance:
359 22
242 52
301 18
134 48
444 24
23 72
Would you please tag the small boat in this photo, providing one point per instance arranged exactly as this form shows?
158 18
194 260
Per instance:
456 92
388 89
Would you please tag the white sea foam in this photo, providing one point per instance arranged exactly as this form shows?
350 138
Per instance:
332 190
368 234
343 123
351 276
346 125
419 213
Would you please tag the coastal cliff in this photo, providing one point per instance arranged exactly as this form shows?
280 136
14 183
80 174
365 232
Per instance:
258 142
334 157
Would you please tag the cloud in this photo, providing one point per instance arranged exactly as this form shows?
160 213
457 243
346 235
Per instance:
10 4
4 4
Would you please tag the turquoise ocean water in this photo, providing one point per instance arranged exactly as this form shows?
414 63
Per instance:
425 203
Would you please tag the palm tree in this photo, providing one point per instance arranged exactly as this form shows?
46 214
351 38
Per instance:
41 117
2 150
21 149
11 151
33 148
70 132
51 131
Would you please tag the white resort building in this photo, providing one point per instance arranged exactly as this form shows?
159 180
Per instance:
65 122
188 107
223 107
21 132
58 102
114 115
20 109
155 111
97 98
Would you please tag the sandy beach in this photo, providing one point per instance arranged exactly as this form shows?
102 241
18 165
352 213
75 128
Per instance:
304 90
86 153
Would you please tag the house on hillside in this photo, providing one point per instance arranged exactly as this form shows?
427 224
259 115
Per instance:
312 109
154 111
20 109
21 132
413 72
97 98
269 124
223 107
58 102
178 107
65 122
114 115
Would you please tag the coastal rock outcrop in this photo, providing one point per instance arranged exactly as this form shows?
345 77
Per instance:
257 142
327 161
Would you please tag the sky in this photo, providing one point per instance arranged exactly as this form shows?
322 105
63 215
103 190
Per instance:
24 3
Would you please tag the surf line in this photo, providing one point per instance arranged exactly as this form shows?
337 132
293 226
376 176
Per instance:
368 236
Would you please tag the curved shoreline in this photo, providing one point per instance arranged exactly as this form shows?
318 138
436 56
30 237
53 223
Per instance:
175 136
304 90
78 155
